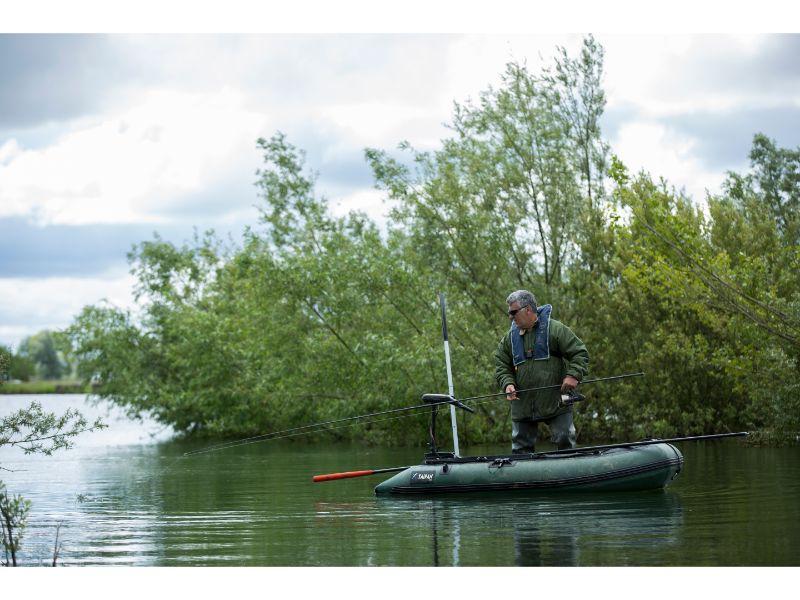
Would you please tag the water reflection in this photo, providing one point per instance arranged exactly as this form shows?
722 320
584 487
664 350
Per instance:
593 527
552 530
137 503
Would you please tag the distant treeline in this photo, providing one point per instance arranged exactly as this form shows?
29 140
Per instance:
42 356
316 317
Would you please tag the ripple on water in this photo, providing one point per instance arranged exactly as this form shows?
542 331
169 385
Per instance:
122 499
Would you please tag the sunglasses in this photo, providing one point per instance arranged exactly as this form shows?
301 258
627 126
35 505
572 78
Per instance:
511 313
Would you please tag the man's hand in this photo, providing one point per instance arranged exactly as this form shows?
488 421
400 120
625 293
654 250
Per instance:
511 392
569 384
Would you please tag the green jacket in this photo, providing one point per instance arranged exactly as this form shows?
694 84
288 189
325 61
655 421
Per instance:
568 356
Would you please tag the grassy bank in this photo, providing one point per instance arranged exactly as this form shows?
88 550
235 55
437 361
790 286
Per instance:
67 386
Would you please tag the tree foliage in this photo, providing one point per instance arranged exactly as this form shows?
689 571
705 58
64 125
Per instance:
34 431
41 348
14 510
316 316
43 355
5 362
14 366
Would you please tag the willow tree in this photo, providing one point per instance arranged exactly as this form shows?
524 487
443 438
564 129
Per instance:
706 303
317 316
501 204
576 89
364 318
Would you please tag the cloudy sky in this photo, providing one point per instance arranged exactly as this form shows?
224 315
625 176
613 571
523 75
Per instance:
105 139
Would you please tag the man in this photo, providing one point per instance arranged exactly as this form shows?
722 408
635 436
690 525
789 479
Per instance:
538 351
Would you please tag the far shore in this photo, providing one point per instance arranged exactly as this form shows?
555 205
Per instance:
66 386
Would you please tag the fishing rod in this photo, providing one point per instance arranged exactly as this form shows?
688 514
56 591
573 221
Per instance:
556 386
693 438
430 400
310 428
533 456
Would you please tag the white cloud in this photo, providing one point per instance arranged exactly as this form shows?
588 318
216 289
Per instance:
126 168
8 151
371 202
30 305
651 147
185 123
667 75
382 125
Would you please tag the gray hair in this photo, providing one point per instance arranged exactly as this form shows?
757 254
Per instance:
524 297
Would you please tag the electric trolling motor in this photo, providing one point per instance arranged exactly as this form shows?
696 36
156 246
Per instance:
438 400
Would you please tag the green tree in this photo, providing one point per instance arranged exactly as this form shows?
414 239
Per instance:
317 317
13 520
775 181
34 431
14 366
5 362
710 293
42 349
575 90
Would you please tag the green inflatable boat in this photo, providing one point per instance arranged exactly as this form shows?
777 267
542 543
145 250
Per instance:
632 466
628 468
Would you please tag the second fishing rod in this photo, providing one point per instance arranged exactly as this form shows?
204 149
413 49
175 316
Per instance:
430 400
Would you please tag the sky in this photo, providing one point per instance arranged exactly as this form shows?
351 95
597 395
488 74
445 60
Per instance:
106 139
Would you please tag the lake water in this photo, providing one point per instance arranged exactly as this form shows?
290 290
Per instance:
125 496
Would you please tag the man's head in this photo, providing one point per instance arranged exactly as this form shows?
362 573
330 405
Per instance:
522 308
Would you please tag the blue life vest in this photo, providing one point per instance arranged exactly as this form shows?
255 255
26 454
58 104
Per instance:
541 346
